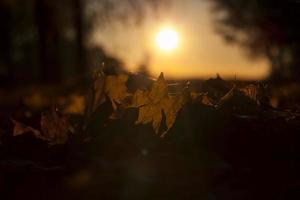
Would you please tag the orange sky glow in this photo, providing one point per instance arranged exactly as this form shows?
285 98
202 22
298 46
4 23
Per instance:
201 53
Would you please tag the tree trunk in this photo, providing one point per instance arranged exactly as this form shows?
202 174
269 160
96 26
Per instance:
80 37
6 65
276 60
48 41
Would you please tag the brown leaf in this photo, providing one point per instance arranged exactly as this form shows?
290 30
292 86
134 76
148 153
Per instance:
54 127
20 129
172 105
150 110
152 104
116 89
76 105
250 91
168 106
206 100
195 96
150 114
140 98
98 89
227 96
159 89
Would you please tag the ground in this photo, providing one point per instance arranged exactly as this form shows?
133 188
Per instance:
210 153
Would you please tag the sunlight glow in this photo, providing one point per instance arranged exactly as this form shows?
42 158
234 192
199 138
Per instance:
167 39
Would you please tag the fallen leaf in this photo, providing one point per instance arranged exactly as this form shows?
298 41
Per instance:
98 90
150 114
54 127
153 104
20 129
76 105
116 89
159 89
170 110
205 100
250 91
195 96
216 87
227 96
140 98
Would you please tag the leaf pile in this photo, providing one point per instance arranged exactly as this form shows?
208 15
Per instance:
156 106
54 128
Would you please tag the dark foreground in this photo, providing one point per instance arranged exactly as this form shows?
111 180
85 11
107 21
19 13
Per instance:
223 146
208 154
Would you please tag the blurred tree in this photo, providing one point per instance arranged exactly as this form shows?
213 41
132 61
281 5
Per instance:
143 68
80 36
48 22
268 28
45 40
98 58
5 44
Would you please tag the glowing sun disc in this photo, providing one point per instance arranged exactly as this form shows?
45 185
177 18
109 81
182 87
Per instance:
167 39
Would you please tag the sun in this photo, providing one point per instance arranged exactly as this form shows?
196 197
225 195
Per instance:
167 39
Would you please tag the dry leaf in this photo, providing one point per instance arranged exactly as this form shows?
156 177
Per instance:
98 89
172 105
151 105
140 98
54 127
250 91
116 89
168 106
159 89
195 96
20 129
150 114
206 100
227 96
76 105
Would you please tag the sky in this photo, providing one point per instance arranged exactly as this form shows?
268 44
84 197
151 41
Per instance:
201 52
